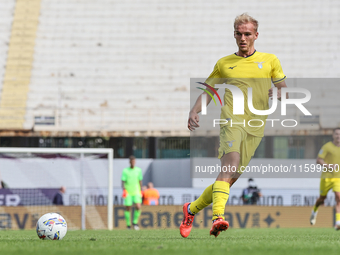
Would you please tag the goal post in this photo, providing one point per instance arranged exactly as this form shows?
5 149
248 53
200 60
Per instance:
81 152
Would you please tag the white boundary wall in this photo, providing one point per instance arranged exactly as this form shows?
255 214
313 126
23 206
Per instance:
16 176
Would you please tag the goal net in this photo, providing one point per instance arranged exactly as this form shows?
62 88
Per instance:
32 181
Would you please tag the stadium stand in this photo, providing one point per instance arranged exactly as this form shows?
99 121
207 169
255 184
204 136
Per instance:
115 69
107 66
19 64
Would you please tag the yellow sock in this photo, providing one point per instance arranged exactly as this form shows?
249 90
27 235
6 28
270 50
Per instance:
337 217
203 201
220 198
315 208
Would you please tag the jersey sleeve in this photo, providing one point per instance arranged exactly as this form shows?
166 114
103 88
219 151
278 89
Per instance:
214 77
277 72
323 152
124 176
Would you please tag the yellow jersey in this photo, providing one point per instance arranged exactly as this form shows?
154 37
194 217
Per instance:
330 153
257 71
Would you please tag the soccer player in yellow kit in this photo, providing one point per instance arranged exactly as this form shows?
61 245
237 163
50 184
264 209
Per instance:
329 158
243 69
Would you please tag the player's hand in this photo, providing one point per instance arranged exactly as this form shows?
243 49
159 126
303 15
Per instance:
270 93
193 121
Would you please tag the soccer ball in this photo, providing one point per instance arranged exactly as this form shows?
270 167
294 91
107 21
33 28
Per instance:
51 226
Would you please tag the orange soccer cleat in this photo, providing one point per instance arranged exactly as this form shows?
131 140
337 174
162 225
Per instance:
218 226
186 224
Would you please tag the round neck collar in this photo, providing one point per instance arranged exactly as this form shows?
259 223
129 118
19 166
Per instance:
246 56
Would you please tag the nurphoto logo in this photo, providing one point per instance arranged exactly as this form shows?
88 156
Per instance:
238 104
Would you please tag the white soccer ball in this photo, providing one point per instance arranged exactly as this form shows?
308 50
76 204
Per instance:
51 226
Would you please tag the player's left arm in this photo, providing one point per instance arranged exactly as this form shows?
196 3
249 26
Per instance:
140 180
278 78
279 86
124 179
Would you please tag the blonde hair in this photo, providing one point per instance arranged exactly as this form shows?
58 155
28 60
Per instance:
245 18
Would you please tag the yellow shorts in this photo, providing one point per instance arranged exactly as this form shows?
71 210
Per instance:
236 139
329 183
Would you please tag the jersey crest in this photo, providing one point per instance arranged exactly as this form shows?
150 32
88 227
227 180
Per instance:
259 64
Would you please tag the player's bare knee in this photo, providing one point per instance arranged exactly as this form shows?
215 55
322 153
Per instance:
226 175
321 199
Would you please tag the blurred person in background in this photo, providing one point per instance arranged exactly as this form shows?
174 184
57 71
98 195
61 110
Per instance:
329 159
58 198
144 188
151 195
251 194
131 183
3 185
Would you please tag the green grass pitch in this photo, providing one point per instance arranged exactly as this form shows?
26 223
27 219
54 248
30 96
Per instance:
232 241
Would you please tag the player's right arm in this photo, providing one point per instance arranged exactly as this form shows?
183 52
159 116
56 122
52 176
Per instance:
321 157
196 109
322 162
193 114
